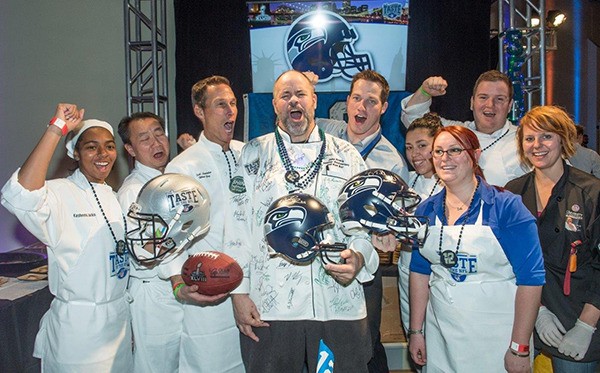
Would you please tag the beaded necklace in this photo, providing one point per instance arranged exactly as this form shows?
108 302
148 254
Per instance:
432 189
236 184
495 141
449 258
292 176
119 244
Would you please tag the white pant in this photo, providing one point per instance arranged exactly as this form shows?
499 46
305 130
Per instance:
157 320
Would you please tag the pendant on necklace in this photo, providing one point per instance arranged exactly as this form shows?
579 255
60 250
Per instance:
236 185
448 258
292 176
120 247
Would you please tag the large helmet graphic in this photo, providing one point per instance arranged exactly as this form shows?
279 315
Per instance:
380 202
170 210
294 227
323 42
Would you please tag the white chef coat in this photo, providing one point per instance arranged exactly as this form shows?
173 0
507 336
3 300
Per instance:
282 290
87 327
210 340
156 316
383 154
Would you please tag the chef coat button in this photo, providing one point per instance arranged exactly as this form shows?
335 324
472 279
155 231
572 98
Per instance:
556 230
559 199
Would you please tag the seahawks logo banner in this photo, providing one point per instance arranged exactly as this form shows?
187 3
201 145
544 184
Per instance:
333 39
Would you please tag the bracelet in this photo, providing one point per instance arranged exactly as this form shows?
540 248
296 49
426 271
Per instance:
424 92
415 331
60 124
518 354
519 348
176 289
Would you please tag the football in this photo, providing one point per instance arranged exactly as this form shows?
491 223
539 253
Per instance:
214 272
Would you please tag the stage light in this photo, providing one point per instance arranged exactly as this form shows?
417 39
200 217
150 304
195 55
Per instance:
535 22
555 18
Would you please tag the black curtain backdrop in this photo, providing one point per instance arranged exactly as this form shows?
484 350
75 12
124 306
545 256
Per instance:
449 38
211 39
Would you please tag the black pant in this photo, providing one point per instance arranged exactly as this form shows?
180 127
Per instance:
290 346
373 295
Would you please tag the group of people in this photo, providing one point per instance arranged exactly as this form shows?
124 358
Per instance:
533 259
511 253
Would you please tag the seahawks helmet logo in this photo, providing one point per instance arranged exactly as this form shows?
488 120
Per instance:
323 42
284 216
361 185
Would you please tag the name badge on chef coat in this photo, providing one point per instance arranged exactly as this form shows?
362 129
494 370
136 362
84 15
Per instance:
236 185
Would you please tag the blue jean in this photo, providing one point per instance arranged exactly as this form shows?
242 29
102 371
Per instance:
568 366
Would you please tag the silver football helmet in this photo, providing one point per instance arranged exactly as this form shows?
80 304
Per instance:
171 210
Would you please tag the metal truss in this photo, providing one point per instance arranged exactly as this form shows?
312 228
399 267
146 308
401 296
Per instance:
533 40
146 57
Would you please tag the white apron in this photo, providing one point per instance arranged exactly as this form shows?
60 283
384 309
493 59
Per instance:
210 341
403 278
89 315
470 312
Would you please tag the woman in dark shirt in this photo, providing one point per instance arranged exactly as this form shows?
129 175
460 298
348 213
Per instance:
565 202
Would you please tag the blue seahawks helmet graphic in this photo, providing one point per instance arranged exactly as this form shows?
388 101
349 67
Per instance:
170 211
323 42
294 225
380 202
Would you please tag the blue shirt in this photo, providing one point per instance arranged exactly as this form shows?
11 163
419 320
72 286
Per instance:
512 224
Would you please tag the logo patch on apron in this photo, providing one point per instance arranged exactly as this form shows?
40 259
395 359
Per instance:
119 264
466 265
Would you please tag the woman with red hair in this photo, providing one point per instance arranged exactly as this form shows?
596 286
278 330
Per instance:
565 202
473 286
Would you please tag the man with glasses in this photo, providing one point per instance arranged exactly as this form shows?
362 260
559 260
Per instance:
491 101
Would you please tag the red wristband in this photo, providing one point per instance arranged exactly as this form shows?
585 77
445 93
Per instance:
519 348
60 124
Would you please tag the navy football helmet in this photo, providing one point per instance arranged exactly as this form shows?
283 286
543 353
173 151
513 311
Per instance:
322 42
380 202
294 227
170 211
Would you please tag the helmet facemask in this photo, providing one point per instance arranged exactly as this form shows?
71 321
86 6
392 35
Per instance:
150 241
171 210
378 201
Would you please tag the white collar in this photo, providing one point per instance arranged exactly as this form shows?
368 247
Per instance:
209 145
367 140
145 170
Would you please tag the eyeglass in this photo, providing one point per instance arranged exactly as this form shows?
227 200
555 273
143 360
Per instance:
452 152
